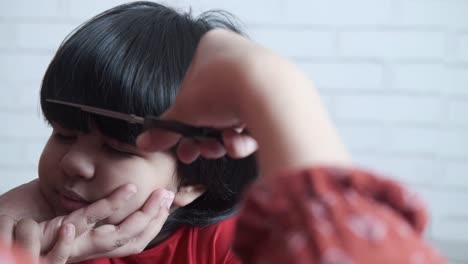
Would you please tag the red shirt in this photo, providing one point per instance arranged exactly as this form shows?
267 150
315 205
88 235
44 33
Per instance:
188 245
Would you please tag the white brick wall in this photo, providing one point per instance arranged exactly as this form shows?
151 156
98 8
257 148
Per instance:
394 74
393 43
462 47
337 12
385 107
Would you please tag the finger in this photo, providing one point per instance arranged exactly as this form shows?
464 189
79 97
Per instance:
151 231
188 150
157 140
239 145
211 148
159 200
63 247
87 217
7 225
27 236
140 242
106 239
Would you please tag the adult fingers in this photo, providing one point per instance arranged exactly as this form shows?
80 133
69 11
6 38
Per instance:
188 150
86 218
211 148
63 247
157 140
238 144
7 225
27 236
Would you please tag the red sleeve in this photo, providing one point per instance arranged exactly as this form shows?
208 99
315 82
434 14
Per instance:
329 215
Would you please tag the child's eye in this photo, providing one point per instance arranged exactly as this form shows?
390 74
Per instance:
115 151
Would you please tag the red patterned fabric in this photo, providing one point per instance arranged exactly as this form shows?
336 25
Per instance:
328 216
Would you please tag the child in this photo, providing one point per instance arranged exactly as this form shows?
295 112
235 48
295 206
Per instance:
132 59
298 212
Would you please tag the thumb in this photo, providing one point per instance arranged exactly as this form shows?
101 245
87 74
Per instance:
63 247
49 231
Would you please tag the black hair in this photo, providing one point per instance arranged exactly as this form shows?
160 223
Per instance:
132 59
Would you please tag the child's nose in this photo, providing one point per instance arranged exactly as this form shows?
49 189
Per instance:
78 163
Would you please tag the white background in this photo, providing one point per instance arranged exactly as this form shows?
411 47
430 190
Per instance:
393 73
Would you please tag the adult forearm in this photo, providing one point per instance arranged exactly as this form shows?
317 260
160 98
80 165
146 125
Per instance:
290 123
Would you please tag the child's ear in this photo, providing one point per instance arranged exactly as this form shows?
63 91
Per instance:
187 194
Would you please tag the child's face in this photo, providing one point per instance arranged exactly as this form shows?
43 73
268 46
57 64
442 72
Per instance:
76 169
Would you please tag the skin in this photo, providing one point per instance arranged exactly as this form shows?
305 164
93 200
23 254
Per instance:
92 166
91 238
231 83
26 241
122 205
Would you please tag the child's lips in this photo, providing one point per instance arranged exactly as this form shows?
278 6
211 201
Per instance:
71 200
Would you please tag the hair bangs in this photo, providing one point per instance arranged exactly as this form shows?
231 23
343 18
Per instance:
121 62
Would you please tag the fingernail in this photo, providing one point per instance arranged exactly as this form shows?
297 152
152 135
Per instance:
251 144
131 190
144 140
69 230
167 200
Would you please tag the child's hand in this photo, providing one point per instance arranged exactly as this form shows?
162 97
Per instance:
95 240
26 236
130 237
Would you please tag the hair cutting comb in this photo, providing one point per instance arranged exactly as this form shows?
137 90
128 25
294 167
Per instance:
148 122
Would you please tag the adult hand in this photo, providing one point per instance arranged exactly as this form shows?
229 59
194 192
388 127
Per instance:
204 100
231 83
